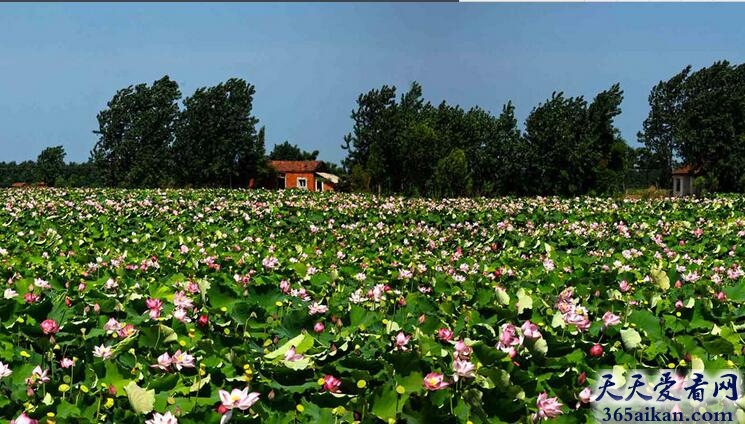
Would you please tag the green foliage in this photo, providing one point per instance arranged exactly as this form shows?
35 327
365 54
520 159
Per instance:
287 151
135 132
404 147
50 164
242 280
697 118
451 177
216 143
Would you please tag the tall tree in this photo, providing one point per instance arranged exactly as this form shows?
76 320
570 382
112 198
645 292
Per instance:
556 136
135 135
216 139
658 133
711 128
372 138
606 152
50 165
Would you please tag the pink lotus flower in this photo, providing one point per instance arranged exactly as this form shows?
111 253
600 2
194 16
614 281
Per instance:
164 362
166 418
112 325
624 286
49 326
585 396
103 352
435 381
182 360
609 318
284 286
509 339
238 399
463 369
530 330
38 376
291 355
445 334
181 315
66 363
331 383
181 300
319 327
401 341
578 317
24 419
317 308
462 350
155 306
548 407
126 331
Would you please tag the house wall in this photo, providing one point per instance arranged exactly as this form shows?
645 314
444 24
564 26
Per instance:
682 185
291 180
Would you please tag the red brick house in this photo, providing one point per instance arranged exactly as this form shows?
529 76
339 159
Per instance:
303 174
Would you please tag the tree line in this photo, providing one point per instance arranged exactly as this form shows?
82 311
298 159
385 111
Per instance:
147 140
698 118
403 145
148 137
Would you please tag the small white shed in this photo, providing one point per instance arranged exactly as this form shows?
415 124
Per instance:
683 178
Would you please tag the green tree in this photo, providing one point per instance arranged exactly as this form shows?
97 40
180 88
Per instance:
50 165
287 151
135 135
710 131
371 142
451 177
216 140
606 151
658 134
556 140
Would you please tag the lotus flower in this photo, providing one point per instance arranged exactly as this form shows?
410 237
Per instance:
445 334
166 418
548 407
164 362
238 399
291 355
530 330
49 327
609 318
435 381
401 341
24 419
4 370
331 383
102 351
463 369
182 360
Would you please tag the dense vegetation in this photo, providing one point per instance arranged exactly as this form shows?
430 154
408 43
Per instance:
568 145
290 307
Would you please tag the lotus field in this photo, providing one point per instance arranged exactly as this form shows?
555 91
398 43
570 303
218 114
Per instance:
215 306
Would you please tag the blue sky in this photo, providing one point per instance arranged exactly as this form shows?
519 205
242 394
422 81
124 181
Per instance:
61 63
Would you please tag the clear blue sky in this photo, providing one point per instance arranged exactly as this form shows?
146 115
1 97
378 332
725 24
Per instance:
61 63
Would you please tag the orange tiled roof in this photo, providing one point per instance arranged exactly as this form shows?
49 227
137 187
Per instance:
686 170
296 165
